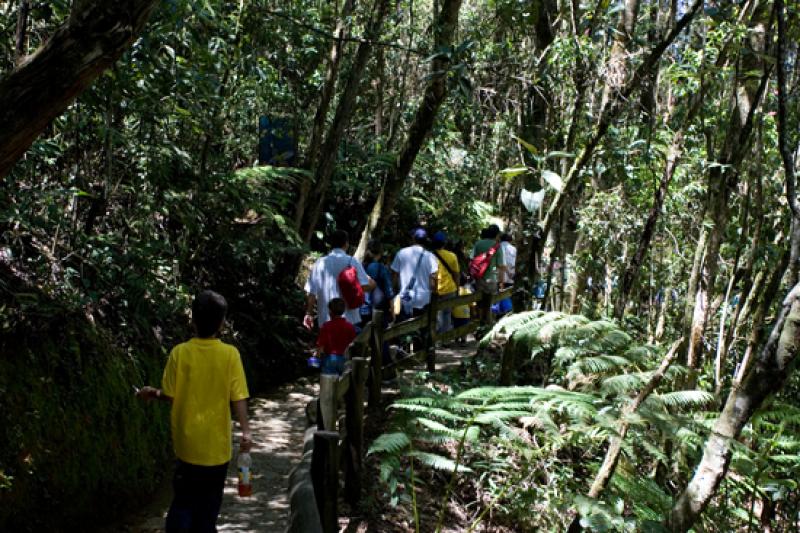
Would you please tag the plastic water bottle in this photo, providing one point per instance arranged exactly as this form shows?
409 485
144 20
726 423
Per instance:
313 361
245 483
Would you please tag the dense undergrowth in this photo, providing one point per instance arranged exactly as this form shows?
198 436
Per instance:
461 449
83 325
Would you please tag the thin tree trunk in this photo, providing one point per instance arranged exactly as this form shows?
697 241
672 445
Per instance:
722 177
94 36
435 93
344 111
614 450
22 31
643 246
326 95
766 377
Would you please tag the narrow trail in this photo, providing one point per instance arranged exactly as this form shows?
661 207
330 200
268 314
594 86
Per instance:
278 423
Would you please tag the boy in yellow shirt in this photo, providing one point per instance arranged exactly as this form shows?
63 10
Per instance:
202 380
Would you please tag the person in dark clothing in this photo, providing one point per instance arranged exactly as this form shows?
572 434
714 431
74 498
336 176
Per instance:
381 297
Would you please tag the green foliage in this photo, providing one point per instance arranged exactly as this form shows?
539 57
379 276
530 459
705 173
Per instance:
512 436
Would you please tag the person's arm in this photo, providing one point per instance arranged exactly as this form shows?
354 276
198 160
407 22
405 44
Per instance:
501 276
240 409
311 305
369 286
149 393
367 283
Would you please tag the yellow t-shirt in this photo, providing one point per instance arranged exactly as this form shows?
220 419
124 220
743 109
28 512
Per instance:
462 311
203 376
445 284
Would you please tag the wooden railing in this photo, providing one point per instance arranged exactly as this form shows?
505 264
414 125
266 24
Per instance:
335 442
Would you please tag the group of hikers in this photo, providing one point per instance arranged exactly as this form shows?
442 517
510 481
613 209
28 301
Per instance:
203 380
343 293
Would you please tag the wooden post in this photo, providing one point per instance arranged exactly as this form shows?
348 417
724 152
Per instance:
354 402
327 401
507 365
488 306
376 361
325 475
430 333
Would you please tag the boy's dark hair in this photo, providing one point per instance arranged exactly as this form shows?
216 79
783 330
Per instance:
485 233
337 306
208 313
374 249
492 231
339 239
506 237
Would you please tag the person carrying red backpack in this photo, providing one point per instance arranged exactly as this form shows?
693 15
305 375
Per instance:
330 277
486 265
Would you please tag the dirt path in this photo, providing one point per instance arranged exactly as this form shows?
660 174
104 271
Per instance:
277 422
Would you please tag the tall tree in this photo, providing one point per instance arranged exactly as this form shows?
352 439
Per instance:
769 372
344 111
321 115
723 178
435 93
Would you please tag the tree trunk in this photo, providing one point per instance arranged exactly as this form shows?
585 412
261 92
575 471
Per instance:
615 443
328 87
344 110
766 377
611 112
632 270
722 177
22 31
435 93
33 94
768 373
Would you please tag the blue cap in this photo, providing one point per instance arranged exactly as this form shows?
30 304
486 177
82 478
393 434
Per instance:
420 233
439 237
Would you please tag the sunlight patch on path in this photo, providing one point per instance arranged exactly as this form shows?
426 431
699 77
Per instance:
278 423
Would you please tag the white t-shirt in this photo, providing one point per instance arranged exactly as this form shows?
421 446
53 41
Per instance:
509 260
323 283
405 264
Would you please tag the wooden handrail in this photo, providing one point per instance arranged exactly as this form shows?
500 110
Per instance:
319 468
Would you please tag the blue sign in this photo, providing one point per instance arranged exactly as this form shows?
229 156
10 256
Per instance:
276 142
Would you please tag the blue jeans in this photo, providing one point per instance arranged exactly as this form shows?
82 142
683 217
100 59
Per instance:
333 364
197 498
444 318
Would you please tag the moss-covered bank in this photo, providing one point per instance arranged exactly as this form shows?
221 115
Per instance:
77 448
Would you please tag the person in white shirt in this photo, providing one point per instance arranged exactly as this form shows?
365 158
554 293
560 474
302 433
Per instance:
323 285
415 263
509 260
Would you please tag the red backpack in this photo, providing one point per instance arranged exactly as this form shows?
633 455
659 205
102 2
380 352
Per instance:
349 286
480 263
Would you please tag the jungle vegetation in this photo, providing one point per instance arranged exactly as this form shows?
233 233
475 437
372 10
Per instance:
642 152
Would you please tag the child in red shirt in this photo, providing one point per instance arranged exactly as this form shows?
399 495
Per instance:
335 336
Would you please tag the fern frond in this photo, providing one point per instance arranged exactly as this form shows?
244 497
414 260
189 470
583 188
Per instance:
492 416
435 412
437 462
390 443
599 364
683 399
452 434
624 383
